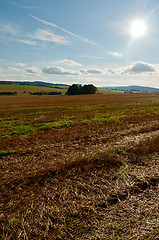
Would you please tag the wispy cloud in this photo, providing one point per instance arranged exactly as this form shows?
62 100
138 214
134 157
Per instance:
90 56
17 5
3 60
28 42
12 32
9 28
64 30
115 54
49 36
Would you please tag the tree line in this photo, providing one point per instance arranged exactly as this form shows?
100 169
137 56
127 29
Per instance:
45 93
77 89
8 93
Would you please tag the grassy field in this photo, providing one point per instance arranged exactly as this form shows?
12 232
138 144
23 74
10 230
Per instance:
107 90
21 89
79 167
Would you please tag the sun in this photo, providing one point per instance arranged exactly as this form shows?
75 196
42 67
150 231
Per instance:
138 28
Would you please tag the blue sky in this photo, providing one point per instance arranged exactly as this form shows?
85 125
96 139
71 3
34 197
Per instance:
82 41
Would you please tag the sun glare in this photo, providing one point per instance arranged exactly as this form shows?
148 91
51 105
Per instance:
138 28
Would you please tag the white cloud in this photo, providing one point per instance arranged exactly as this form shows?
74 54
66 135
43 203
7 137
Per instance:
20 64
15 69
58 70
96 71
115 54
49 36
139 68
91 71
136 68
111 72
32 71
70 62
83 71
62 29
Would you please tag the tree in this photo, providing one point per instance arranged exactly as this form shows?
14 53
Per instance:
77 89
89 89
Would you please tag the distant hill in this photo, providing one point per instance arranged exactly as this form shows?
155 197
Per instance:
35 83
57 85
134 88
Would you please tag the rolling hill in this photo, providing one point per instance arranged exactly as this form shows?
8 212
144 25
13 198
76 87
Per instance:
35 83
134 88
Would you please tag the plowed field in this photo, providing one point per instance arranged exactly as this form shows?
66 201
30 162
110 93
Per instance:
79 167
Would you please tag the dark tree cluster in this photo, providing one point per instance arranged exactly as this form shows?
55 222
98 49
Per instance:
45 93
8 93
77 89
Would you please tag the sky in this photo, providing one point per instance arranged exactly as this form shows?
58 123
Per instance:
100 42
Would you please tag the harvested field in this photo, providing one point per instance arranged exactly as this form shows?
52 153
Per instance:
79 167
